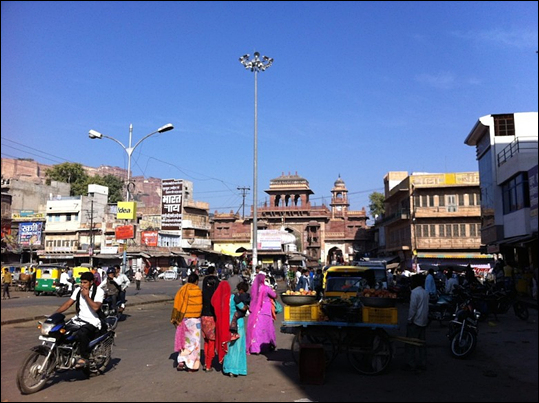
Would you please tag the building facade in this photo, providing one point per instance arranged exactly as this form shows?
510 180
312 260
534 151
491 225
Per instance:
433 219
506 150
291 229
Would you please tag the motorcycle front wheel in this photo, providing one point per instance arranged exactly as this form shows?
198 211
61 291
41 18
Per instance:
521 310
462 347
31 376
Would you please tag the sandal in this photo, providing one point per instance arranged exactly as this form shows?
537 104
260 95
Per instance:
207 369
181 366
234 336
81 363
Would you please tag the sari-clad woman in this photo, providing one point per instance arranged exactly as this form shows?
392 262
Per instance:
186 317
260 329
209 285
232 354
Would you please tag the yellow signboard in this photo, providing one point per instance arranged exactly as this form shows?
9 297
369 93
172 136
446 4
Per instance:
127 211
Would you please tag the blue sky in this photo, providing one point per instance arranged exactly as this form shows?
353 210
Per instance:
357 89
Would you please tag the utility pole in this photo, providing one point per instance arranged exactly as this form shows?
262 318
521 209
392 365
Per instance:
244 192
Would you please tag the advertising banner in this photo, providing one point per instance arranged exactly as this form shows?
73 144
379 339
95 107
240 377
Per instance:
149 238
269 239
126 211
125 232
171 210
30 233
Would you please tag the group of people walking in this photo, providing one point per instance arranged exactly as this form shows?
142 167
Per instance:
231 322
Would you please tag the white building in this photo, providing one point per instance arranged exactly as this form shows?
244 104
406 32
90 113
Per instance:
506 149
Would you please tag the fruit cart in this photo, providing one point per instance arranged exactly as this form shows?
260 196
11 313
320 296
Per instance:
363 338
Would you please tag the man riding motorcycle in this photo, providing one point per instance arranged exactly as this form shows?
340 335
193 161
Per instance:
87 316
111 288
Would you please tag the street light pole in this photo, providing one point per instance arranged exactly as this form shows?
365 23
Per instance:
129 150
255 65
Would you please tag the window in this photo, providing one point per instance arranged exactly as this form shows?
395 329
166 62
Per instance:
441 231
425 231
516 193
431 200
463 230
504 125
461 199
424 201
448 230
455 230
68 217
432 230
441 200
451 203
418 231
473 231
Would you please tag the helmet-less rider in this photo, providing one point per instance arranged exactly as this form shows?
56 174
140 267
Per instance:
87 317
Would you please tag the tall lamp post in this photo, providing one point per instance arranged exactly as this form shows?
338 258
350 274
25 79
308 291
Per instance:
255 65
129 150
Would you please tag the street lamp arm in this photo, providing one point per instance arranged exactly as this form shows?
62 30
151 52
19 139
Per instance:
116 141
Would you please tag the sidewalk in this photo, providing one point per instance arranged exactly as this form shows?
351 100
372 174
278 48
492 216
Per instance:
47 306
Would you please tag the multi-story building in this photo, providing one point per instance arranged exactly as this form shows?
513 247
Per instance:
506 149
290 228
433 219
70 229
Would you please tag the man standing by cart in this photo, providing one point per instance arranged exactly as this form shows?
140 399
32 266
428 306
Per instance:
418 317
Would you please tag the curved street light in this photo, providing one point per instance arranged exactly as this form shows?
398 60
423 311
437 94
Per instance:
255 65
129 150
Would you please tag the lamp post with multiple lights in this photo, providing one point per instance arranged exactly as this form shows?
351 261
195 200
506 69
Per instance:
129 150
255 65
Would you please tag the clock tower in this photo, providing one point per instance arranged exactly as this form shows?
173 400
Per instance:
339 199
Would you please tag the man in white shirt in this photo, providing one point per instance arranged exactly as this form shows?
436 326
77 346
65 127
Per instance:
418 318
87 316
123 281
65 279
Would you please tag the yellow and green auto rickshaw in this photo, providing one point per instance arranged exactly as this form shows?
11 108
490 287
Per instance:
78 270
47 275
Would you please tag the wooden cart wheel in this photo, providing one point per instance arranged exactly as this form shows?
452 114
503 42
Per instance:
315 336
369 352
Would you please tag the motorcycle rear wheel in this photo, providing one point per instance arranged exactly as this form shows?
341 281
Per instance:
462 347
30 376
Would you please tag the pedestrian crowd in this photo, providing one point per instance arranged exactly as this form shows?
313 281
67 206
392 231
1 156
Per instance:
232 319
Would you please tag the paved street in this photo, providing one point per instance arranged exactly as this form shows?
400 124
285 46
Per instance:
504 367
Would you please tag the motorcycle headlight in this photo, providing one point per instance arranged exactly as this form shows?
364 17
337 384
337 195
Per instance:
46 328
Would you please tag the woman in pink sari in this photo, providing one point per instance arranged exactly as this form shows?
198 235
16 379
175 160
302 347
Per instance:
260 328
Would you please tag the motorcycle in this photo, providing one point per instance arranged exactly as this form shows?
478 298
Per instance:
499 302
110 309
445 307
463 331
59 352
62 290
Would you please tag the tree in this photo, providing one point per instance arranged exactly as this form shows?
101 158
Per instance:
376 204
72 173
76 176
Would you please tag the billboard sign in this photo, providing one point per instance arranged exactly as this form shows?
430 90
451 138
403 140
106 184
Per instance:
125 232
30 233
126 211
171 204
149 238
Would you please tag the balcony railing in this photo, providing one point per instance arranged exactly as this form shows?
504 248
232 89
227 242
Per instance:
520 144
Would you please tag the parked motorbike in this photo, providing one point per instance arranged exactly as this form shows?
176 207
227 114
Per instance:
499 302
447 305
463 330
59 351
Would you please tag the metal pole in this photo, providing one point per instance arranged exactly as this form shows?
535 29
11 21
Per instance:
255 182
255 65
129 152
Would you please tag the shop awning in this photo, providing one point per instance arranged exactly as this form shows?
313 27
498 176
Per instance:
449 255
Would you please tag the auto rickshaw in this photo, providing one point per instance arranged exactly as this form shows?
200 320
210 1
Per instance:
78 270
47 275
